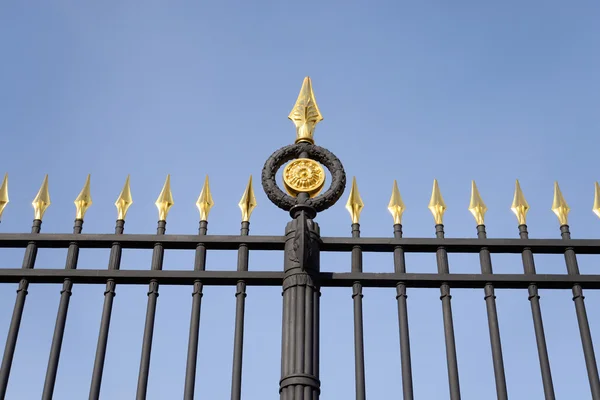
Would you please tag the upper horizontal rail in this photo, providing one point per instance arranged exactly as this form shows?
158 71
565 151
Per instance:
231 242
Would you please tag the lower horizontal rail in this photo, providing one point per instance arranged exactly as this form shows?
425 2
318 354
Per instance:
325 279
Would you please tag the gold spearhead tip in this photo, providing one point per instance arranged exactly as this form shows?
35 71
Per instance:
519 205
165 200
205 201
124 201
84 200
396 205
305 114
355 203
248 202
3 194
42 200
596 207
560 206
477 206
437 206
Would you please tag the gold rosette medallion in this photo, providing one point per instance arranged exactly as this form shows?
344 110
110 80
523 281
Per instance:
304 175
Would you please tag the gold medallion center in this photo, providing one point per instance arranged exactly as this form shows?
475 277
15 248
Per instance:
304 175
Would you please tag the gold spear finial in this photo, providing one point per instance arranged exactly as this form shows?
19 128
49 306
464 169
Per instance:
42 200
305 114
596 207
437 206
205 201
248 202
165 200
124 201
519 205
396 205
477 206
3 194
560 206
355 203
84 200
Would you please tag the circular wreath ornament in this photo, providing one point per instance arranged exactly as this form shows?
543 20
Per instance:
301 152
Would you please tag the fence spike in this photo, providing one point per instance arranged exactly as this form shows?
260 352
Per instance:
165 200
4 194
248 202
519 205
84 200
437 206
596 207
305 114
355 203
42 200
477 206
205 201
124 201
560 206
396 205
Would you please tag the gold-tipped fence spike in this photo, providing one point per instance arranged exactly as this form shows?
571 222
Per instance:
42 200
124 201
519 205
596 208
396 205
560 206
84 200
476 205
248 202
205 201
3 194
305 114
355 203
437 206
165 200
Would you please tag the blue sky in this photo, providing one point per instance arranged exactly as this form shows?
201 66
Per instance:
491 91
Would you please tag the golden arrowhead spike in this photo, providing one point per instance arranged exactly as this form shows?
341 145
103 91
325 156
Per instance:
596 207
305 114
437 206
42 200
124 201
519 205
560 206
205 201
396 205
477 206
355 203
248 202
3 194
84 200
165 200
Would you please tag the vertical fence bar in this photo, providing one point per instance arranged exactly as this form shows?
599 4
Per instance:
15 322
445 297
240 299
490 301
357 296
582 319
400 268
192 355
157 263
114 263
61 317
534 299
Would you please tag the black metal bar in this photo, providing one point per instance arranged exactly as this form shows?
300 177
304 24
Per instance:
357 296
192 354
157 263
15 322
445 297
540 338
238 338
490 301
114 264
582 319
400 268
61 317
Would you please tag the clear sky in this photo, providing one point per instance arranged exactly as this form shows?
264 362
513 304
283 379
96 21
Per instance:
413 91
